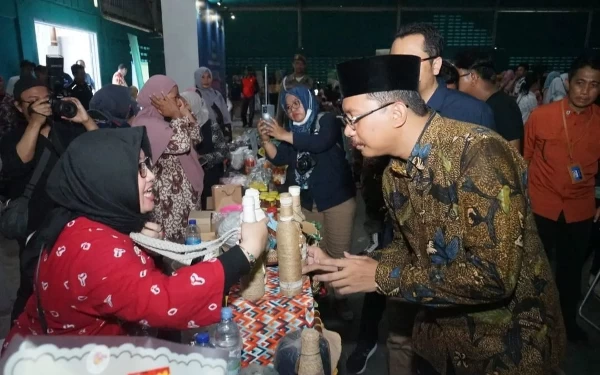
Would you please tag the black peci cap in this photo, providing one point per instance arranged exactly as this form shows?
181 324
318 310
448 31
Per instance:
379 74
25 83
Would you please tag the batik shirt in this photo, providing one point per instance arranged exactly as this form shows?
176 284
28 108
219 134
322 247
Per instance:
466 250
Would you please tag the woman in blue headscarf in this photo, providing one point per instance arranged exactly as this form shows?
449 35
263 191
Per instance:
313 150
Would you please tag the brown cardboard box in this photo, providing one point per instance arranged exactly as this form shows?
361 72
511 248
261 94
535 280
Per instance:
208 236
226 195
210 204
203 221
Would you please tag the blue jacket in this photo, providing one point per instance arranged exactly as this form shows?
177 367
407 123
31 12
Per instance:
457 105
330 183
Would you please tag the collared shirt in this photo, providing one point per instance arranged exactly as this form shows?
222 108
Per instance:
527 103
467 252
451 104
551 189
90 81
462 107
118 79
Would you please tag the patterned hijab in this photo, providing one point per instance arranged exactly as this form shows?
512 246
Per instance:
160 131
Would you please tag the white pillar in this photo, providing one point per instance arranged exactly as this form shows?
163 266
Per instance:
180 34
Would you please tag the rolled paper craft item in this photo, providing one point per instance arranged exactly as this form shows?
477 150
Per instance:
310 357
288 254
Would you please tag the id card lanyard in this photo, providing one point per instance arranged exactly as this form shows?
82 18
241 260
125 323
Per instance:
575 170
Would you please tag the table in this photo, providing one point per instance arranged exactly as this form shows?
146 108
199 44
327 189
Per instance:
264 322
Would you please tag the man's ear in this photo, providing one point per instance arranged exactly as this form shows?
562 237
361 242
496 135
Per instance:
399 114
567 84
436 65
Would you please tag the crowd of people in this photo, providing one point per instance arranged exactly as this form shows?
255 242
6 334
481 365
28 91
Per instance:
475 181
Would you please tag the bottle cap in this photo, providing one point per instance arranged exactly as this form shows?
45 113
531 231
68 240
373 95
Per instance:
226 313
286 201
192 222
202 338
294 190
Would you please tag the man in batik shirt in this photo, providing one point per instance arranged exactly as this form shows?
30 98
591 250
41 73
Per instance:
466 251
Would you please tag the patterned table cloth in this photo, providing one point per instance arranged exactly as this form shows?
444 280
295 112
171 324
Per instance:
264 322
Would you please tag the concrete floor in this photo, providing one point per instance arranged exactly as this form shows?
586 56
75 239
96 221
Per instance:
580 360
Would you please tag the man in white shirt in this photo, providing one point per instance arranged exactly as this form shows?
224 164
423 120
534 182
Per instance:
520 74
26 69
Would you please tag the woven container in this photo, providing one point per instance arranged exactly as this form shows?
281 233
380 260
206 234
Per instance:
253 285
288 254
310 357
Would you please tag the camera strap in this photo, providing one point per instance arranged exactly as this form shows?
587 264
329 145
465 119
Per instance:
37 173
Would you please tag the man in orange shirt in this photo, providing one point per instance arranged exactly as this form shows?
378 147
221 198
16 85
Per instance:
562 146
249 90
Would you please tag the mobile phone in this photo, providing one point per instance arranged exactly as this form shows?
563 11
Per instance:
268 111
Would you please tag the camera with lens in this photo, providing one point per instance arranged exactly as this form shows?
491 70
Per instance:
60 108
305 163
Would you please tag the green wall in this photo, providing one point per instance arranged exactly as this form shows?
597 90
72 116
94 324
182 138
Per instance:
549 39
113 43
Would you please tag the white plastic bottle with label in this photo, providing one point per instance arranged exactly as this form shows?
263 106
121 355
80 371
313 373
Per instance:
260 214
249 212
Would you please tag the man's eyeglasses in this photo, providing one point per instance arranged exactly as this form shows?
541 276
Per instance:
144 166
429 58
351 121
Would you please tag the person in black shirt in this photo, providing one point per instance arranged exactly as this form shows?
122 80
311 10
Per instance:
79 88
449 75
477 78
21 151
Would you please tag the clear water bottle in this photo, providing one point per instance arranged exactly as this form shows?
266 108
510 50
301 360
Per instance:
227 336
202 340
192 233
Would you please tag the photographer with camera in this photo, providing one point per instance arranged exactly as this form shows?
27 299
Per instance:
45 127
313 150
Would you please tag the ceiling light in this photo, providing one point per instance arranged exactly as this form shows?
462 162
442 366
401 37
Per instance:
232 16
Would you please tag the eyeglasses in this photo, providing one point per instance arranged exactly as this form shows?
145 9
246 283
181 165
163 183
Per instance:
464 75
295 105
144 166
429 58
351 121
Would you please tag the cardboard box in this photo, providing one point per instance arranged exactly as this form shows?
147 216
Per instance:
208 236
210 204
226 195
203 221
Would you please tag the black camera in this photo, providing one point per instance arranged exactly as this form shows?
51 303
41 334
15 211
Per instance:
60 108
63 108
305 163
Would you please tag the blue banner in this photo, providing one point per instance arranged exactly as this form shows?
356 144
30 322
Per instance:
211 43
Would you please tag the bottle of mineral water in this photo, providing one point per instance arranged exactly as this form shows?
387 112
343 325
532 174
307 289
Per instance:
202 339
227 336
192 233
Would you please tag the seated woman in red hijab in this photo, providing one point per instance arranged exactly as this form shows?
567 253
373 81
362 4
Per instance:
92 278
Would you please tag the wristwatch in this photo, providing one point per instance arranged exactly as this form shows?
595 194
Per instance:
251 258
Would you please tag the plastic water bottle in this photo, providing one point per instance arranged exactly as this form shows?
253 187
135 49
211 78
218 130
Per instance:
227 336
202 339
192 233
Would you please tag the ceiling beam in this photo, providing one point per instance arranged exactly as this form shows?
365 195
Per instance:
287 8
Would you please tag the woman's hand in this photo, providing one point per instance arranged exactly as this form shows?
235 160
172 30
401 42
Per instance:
153 230
186 111
254 237
262 130
167 107
273 129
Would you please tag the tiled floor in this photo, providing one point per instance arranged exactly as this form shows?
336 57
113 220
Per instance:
581 360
